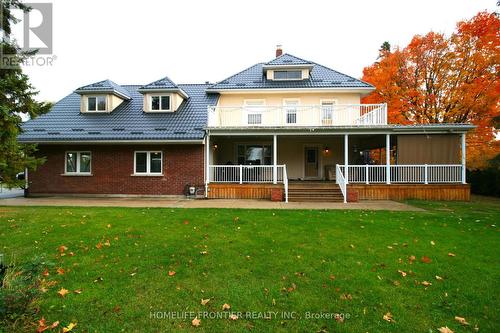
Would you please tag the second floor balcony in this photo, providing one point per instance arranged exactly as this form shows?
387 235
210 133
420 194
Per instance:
297 115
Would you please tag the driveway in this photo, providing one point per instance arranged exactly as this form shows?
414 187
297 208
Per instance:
212 203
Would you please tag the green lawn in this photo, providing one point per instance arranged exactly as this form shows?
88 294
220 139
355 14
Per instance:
263 261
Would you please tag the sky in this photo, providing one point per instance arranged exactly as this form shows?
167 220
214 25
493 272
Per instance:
137 42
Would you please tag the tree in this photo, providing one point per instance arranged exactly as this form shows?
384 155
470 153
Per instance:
16 99
445 79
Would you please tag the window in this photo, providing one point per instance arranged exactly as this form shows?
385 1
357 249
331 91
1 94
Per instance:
290 107
148 162
288 75
96 103
160 103
327 111
78 162
254 154
254 109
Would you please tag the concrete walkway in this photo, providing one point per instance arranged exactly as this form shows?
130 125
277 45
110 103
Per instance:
213 203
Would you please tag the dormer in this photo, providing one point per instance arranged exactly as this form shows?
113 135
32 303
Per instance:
101 97
162 96
286 67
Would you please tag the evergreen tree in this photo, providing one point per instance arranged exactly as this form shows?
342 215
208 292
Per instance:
17 97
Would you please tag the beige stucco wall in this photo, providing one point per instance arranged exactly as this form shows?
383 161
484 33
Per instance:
112 102
291 151
175 101
277 98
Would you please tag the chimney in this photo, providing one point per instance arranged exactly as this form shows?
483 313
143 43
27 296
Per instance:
279 50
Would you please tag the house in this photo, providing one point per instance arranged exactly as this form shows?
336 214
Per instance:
287 129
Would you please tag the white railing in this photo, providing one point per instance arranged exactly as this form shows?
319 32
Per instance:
422 173
243 174
339 176
297 115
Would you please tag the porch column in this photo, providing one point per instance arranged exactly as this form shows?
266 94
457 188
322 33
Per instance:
388 158
464 181
275 159
207 163
346 158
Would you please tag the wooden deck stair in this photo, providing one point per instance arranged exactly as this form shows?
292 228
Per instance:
314 192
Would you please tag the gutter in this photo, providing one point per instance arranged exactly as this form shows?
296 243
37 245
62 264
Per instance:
111 142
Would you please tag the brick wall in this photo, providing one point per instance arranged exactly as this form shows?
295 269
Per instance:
112 169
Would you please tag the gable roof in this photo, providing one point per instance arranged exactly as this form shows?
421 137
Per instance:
288 59
127 122
104 86
321 77
164 84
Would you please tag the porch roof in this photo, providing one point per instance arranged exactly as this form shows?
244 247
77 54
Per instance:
339 130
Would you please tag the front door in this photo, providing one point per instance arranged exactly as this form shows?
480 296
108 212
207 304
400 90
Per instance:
311 167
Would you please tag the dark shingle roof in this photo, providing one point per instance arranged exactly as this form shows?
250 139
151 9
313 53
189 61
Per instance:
288 59
320 77
104 86
164 83
127 122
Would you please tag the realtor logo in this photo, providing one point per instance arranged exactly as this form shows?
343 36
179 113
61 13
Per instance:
36 28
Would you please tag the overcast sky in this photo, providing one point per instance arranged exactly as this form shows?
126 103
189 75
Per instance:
136 42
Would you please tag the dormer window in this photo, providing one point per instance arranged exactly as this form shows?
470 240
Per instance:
295 74
96 103
160 103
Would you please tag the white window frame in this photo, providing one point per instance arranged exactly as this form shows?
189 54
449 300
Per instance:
334 101
161 105
254 110
291 109
97 103
148 163
288 70
78 154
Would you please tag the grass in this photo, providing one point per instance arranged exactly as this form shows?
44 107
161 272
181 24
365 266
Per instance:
264 261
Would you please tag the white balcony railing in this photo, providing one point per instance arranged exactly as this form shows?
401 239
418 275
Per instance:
423 174
297 115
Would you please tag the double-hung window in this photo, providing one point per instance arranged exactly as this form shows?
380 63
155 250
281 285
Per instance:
254 109
78 162
290 107
96 103
160 103
148 163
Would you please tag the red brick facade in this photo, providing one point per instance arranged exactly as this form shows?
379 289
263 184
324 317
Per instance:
112 169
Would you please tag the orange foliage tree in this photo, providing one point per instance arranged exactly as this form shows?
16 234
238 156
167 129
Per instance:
445 79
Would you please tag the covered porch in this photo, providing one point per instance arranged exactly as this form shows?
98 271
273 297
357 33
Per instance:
251 165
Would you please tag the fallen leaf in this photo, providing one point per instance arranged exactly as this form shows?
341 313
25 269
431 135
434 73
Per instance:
233 317
444 330
116 309
403 273
461 320
98 246
388 317
292 288
203 252
451 254
171 273
205 301
69 327
61 249
225 307
432 243
352 246
46 272
346 297
107 243
186 222
439 278
196 322
426 283
99 279
42 326
426 260
78 291
332 277
109 225
411 259
63 292
54 325
60 271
